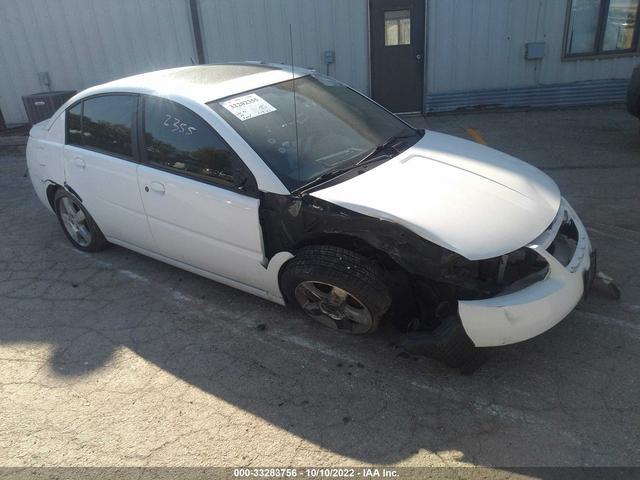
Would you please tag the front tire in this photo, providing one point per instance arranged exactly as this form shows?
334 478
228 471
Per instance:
338 288
79 227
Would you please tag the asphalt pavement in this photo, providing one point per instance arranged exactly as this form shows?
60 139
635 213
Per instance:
115 359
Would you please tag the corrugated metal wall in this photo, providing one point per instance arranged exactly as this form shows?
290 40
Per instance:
259 30
86 42
475 46
480 44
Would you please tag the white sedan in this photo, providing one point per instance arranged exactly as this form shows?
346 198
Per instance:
292 186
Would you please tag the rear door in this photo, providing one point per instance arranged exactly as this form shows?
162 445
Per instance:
197 194
397 30
101 168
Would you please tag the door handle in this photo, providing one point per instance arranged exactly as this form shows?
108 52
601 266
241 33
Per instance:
157 187
79 162
419 56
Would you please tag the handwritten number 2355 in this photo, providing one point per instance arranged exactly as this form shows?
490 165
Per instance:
177 126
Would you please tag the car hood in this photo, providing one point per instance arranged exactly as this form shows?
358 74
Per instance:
468 198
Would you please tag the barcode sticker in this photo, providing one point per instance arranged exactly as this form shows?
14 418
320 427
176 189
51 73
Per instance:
248 106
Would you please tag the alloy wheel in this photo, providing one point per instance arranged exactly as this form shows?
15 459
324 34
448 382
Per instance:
75 221
334 307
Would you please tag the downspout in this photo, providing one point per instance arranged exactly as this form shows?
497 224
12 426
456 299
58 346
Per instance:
197 31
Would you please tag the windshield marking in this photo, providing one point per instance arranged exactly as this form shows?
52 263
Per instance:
248 106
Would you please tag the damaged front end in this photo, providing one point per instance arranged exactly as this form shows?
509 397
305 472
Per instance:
511 298
537 286
448 305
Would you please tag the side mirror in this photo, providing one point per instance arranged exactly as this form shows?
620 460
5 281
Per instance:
240 181
244 182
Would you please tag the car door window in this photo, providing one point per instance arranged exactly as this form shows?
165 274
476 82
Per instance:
107 123
177 139
74 125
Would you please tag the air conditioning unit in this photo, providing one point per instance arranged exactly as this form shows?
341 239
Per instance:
40 106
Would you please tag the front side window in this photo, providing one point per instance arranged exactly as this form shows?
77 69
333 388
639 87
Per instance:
602 27
336 127
179 140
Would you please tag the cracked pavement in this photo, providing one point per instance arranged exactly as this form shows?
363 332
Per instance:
115 359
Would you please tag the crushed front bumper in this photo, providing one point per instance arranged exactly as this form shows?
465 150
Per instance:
528 312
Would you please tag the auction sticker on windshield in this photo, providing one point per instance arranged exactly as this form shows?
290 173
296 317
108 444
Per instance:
248 106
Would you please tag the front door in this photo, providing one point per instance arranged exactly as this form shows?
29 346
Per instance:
397 53
187 183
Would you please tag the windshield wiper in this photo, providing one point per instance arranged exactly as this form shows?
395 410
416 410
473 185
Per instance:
324 177
374 154
371 157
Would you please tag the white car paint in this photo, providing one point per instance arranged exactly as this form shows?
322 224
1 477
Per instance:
479 203
202 225
467 198
108 188
224 241
533 310
463 196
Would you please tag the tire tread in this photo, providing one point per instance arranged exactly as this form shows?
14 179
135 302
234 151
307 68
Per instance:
340 267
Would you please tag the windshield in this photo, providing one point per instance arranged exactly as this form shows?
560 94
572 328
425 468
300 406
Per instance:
337 127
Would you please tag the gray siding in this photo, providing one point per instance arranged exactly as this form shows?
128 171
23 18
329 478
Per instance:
86 42
475 53
259 30
480 44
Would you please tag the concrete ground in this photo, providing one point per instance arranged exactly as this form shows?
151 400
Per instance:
114 359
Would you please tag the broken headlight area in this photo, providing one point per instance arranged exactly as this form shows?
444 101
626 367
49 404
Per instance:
432 301
475 280
565 242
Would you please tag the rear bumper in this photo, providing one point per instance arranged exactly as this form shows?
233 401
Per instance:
528 312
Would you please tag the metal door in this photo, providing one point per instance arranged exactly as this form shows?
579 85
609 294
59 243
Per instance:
397 41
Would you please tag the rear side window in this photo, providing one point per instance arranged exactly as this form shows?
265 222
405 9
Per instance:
74 125
103 123
177 139
107 123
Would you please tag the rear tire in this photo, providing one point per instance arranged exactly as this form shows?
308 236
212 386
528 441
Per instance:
77 224
337 287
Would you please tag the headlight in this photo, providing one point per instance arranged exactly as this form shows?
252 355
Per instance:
493 276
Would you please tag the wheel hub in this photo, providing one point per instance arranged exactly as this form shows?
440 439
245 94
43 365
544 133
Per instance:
333 311
75 221
334 307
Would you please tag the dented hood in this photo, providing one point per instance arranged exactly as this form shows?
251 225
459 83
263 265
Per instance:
468 198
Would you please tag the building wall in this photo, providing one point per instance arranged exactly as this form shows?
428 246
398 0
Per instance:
259 30
86 42
475 47
480 44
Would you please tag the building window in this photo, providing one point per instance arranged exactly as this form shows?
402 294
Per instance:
397 28
602 27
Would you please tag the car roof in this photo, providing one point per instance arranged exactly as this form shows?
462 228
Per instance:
196 83
203 83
